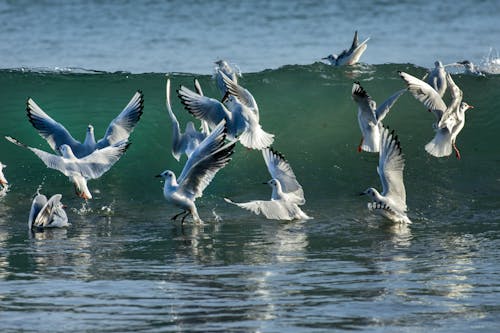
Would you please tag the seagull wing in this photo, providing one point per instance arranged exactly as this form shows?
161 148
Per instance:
211 155
280 169
51 212
96 164
36 206
204 108
385 107
120 128
456 95
273 209
176 131
49 129
390 169
357 52
424 93
243 95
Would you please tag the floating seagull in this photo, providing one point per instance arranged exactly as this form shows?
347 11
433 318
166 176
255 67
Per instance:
450 120
56 134
47 213
370 117
287 193
201 167
242 122
79 170
351 56
182 143
230 71
392 202
436 78
469 68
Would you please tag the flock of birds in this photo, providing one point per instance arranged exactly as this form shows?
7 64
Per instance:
235 118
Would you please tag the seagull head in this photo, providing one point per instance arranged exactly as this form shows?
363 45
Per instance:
369 191
169 177
331 58
66 151
438 64
464 107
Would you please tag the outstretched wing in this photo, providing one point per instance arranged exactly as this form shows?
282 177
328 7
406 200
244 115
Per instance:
273 209
280 169
385 107
49 129
96 164
211 155
122 126
51 213
456 95
390 169
424 93
204 108
243 95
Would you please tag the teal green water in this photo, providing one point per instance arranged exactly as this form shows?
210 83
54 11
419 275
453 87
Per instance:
129 268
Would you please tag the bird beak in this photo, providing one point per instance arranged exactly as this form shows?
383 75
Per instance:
471 107
158 176
362 193
265 183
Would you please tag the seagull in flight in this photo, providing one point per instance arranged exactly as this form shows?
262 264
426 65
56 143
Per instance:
287 194
436 78
56 134
47 213
211 155
182 143
370 117
79 170
450 119
231 71
392 202
351 56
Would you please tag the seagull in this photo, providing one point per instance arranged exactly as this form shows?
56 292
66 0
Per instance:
392 202
79 170
182 143
56 134
201 167
230 71
370 117
3 180
242 122
47 213
436 78
287 193
470 68
450 119
351 56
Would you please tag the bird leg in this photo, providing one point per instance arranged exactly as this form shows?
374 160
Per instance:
184 217
457 152
360 143
173 218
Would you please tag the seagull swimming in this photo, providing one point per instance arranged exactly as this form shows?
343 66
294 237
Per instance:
231 71
436 78
182 143
79 170
242 122
56 134
47 213
469 68
450 119
351 56
287 193
201 167
370 117
392 202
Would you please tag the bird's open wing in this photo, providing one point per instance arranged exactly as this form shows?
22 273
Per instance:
424 93
49 129
456 95
366 105
96 164
280 169
48 213
385 107
390 169
273 209
211 155
243 95
122 126
204 108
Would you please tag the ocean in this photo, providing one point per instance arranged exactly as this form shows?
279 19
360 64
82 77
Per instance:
124 266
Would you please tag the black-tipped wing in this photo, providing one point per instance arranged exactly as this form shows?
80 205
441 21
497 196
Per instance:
122 126
273 210
206 160
390 169
204 108
243 95
53 132
366 105
280 169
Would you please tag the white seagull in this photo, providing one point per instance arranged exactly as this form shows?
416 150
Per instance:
351 56
230 71
450 119
79 170
392 202
47 213
370 117
3 180
56 134
287 193
182 143
201 167
242 122
436 78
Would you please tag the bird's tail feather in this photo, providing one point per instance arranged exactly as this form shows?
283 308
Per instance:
256 138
